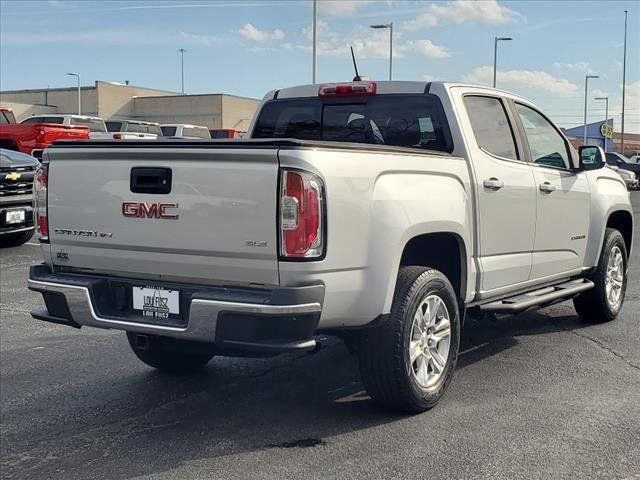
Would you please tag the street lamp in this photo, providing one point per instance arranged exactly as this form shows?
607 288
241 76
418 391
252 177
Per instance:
495 55
315 41
77 75
606 115
182 50
586 83
390 27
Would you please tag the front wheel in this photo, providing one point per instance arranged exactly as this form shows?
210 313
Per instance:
603 302
169 354
407 362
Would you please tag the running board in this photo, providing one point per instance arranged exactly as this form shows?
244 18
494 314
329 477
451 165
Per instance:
538 298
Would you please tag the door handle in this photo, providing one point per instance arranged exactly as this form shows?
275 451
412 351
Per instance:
546 187
493 183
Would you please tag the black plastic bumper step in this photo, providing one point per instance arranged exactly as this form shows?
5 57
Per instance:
538 298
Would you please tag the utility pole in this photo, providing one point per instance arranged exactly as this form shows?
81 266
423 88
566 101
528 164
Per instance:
606 116
495 56
315 34
624 78
77 75
390 27
586 82
182 50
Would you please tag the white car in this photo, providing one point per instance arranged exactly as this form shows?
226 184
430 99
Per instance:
181 130
635 158
97 127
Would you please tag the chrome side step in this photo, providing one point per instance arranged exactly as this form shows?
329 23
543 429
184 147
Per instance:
538 298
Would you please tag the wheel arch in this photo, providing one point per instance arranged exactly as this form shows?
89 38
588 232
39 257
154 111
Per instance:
622 221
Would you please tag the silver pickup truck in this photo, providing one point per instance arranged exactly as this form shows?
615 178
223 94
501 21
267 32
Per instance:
380 212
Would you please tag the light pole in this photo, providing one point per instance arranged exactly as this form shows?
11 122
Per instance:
606 115
624 75
390 27
495 55
182 50
315 36
77 75
586 83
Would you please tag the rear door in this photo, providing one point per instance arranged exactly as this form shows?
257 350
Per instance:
505 191
215 224
563 198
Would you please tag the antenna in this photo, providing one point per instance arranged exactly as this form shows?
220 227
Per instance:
355 67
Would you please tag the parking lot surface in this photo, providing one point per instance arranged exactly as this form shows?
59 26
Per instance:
535 396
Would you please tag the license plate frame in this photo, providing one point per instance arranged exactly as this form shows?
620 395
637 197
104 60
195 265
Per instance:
13 217
155 302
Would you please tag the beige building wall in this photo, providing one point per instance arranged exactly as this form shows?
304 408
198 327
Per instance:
117 101
24 110
237 112
192 109
66 100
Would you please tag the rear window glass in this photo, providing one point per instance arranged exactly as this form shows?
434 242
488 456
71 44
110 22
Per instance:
401 120
168 131
196 132
94 124
43 120
113 126
219 134
136 128
491 126
155 129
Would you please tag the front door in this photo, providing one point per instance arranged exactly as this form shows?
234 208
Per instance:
562 198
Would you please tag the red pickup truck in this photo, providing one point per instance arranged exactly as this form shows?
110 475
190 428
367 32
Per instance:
33 138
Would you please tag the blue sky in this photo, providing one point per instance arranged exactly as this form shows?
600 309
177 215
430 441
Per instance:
249 47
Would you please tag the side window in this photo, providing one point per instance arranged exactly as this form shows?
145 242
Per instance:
546 145
491 126
3 119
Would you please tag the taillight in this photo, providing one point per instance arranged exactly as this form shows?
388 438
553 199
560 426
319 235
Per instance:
117 136
301 215
41 183
355 89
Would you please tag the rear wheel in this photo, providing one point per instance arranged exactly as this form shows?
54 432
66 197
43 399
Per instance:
603 302
15 239
169 354
407 362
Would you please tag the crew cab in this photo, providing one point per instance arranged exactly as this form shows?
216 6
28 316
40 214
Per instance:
181 130
132 129
96 125
381 212
34 137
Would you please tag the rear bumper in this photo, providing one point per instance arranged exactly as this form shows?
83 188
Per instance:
236 320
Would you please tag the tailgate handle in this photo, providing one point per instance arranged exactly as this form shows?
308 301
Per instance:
150 180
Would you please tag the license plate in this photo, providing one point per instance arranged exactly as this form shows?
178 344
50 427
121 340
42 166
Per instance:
15 216
156 302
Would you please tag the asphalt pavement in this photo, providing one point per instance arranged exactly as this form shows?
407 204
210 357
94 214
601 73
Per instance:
539 395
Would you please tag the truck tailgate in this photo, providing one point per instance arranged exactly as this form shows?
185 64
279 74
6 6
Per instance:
217 224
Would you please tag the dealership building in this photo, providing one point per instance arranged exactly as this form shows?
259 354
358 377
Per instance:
602 134
121 101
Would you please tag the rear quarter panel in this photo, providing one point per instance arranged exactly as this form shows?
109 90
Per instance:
376 202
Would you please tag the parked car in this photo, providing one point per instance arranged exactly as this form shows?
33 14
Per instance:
17 171
219 133
179 130
381 212
96 125
132 129
34 137
627 170
635 159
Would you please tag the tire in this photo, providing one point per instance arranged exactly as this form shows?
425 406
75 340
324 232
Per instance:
15 239
168 354
390 377
594 305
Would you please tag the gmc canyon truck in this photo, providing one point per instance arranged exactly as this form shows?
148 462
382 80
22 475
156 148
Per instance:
380 212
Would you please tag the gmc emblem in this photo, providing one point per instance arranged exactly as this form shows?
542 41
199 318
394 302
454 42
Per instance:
142 210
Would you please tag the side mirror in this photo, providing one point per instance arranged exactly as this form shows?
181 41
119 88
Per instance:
591 157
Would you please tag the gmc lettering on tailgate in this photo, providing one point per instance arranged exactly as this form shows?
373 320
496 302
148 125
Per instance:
144 210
